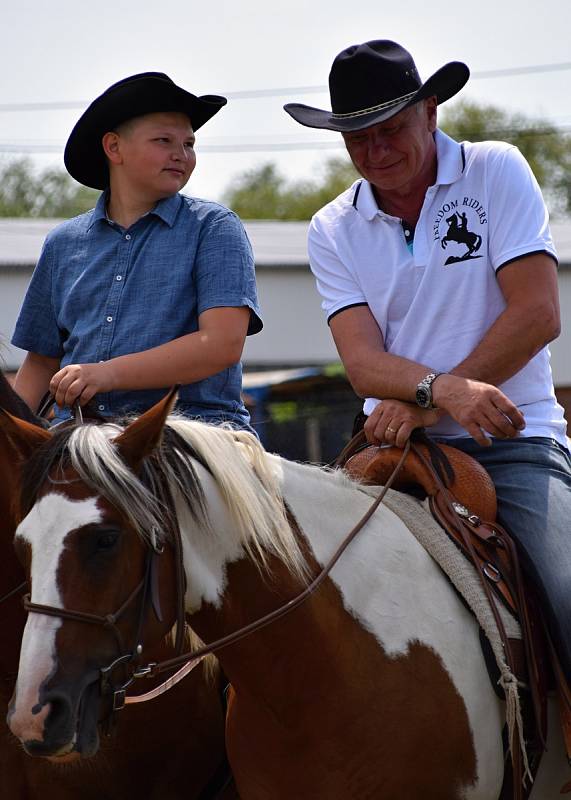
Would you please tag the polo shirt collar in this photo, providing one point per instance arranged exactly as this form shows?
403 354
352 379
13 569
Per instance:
450 159
364 201
450 167
165 209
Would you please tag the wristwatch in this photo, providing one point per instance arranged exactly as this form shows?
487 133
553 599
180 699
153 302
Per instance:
424 390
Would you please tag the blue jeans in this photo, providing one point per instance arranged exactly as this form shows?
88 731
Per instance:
532 477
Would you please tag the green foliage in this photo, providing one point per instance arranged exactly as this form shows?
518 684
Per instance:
262 193
52 193
547 149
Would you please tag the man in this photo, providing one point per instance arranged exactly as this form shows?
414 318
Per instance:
439 280
151 288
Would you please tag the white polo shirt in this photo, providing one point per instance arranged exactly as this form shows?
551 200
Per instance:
435 297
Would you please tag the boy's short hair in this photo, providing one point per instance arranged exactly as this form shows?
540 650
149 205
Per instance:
144 93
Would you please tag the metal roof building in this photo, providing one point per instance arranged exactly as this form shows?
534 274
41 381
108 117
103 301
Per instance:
295 332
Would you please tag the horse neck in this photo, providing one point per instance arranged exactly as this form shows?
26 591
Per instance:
226 588
250 595
10 401
12 615
229 591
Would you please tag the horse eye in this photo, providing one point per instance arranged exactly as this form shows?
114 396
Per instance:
107 539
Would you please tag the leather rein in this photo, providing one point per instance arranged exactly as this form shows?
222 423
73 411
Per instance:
189 659
16 590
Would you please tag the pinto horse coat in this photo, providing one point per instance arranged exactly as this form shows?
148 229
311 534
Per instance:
374 689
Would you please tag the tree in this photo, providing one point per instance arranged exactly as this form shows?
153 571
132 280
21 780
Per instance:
51 193
547 149
262 193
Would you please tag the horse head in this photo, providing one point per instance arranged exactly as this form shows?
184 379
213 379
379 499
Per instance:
93 564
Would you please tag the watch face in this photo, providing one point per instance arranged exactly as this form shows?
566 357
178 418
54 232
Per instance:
423 396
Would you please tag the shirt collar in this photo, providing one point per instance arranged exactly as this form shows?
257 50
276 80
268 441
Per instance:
165 209
450 159
451 163
100 210
364 201
168 208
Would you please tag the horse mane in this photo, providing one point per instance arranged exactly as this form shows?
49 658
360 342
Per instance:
168 480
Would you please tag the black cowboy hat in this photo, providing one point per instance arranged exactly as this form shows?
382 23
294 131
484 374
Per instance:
145 93
372 82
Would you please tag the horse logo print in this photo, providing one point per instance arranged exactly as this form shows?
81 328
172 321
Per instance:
458 232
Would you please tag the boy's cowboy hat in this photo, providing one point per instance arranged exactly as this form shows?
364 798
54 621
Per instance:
145 93
372 82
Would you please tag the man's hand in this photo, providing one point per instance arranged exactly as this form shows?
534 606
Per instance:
477 407
393 421
81 382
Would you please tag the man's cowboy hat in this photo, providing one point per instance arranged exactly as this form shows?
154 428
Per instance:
372 82
145 93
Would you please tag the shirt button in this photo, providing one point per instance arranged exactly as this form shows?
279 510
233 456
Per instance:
101 407
407 233
109 319
118 278
127 236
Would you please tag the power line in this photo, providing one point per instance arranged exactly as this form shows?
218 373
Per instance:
289 91
263 147
274 147
501 73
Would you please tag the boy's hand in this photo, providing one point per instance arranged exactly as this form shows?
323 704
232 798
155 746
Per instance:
81 382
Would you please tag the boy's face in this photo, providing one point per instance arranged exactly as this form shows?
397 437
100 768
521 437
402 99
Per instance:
155 154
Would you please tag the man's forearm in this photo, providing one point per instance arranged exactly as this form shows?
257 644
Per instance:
511 342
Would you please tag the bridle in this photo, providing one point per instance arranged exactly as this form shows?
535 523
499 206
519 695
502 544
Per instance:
143 591
16 590
152 669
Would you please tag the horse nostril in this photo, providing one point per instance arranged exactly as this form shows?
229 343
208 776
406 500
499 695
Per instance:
57 730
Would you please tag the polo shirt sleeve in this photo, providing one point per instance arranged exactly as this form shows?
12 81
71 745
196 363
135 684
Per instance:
224 268
36 328
518 215
335 281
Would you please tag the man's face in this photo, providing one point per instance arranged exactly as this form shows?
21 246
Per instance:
396 154
156 154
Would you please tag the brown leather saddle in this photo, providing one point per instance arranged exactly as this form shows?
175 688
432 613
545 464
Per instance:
462 498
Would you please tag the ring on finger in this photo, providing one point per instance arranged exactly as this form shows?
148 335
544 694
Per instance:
391 430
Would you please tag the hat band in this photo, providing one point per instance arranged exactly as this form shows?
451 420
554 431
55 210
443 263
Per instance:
380 107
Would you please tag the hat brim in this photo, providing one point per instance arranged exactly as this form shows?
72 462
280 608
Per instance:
445 83
84 157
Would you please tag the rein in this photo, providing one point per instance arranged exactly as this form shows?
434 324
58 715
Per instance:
14 591
156 668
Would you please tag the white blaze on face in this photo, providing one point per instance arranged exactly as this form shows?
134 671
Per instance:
44 530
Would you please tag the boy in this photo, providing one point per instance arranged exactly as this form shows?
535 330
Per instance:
150 288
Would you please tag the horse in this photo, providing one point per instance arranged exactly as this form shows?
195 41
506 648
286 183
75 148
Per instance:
461 235
156 751
374 686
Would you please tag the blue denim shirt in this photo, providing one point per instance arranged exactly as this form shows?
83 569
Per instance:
100 291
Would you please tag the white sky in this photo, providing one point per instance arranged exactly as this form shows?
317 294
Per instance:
61 51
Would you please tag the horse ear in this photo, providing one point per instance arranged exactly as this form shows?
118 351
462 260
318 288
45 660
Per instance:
21 436
144 434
